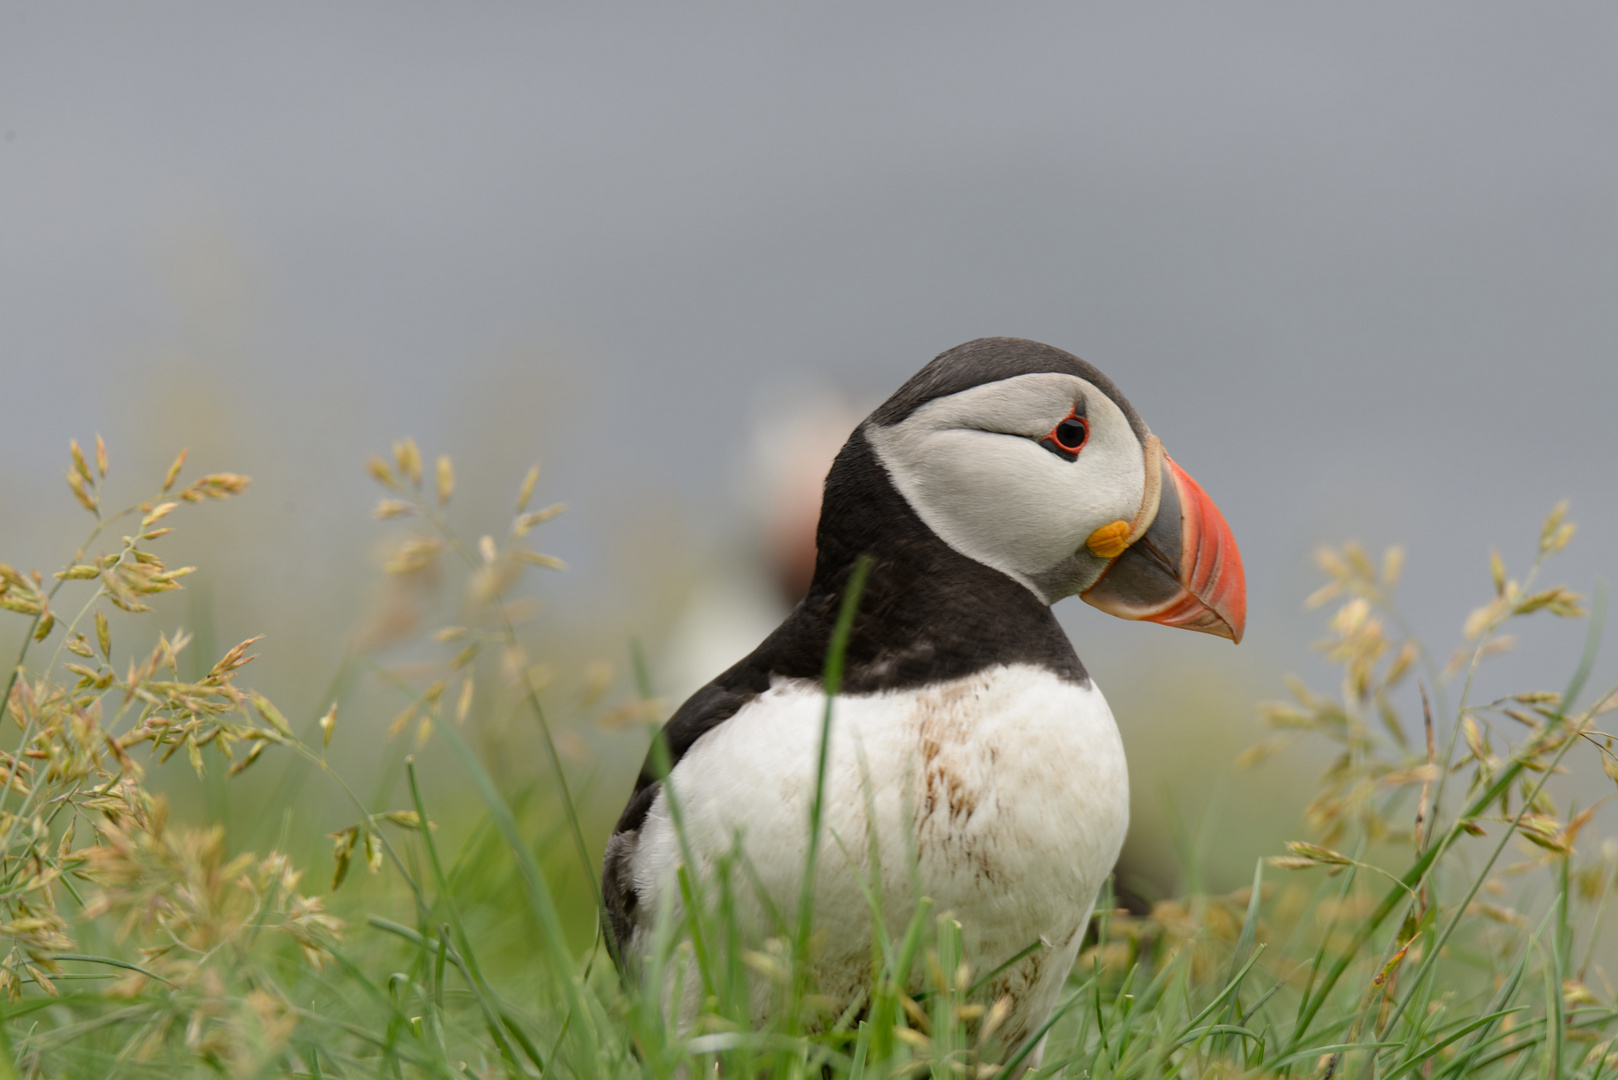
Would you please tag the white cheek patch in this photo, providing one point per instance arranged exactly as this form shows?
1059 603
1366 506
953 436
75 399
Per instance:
998 498
971 468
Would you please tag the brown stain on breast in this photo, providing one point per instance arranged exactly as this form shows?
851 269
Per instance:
951 793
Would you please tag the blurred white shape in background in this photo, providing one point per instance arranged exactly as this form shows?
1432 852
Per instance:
763 566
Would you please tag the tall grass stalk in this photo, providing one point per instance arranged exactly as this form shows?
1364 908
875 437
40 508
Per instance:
836 651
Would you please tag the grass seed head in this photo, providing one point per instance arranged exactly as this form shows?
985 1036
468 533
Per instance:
408 458
523 523
445 476
79 466
526 492
380 472
77 484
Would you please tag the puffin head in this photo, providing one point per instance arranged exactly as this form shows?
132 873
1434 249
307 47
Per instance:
1030 461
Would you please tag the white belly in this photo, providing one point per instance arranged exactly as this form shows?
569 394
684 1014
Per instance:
1007 790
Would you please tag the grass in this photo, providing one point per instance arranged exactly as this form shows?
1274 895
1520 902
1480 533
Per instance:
1441 921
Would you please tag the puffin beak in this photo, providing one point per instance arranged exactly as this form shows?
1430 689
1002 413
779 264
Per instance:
1183 569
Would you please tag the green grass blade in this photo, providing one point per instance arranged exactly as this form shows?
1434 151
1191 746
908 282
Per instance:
1592 645
836 651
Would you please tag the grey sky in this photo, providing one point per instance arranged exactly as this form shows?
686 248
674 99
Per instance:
1355 264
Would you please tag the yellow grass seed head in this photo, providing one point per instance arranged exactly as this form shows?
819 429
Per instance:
446 479
380 472
527 491
521 525
1328 560
1351 617
76 482
328 724
402 720
1393 564
1359 562
1400 665
415 554
549 562
174 471
1551 531
997 1016
79 465
408 458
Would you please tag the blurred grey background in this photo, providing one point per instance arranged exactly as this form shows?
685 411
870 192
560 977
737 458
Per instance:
1355 264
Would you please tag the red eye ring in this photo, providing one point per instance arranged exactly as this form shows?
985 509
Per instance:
1068 437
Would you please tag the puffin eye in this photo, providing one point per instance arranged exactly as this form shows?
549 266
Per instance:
1067 438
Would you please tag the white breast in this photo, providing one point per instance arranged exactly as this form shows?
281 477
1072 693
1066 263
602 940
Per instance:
1008 788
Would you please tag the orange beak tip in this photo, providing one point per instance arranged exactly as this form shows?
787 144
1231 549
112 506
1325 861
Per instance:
1213 596
1213 571
1185 571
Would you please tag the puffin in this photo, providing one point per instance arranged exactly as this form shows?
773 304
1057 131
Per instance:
971 756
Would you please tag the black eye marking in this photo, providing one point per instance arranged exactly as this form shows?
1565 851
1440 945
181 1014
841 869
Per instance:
1068 437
